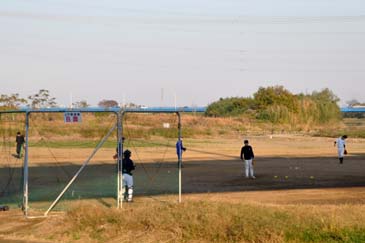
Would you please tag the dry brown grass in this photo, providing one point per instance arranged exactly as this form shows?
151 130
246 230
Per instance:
230 217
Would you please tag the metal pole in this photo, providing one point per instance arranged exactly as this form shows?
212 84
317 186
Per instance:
118 148
25 167
179 154
79 171
119 160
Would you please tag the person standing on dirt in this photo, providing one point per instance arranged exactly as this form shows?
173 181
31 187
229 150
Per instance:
19 143
127 167
341 147
248 156
179 150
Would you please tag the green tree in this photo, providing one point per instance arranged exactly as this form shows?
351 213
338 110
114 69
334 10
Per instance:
277 105
80 104
275 95
233 106
42 100
108 103
326 102
12 101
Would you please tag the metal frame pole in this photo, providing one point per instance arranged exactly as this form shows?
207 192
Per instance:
121 158
180 154
118 153
25 166
119 161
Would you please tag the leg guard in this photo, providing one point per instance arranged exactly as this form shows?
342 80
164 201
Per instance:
125 193
130 194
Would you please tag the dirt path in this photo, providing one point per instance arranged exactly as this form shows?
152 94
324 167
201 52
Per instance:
198 149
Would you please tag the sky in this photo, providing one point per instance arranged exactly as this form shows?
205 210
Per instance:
186 52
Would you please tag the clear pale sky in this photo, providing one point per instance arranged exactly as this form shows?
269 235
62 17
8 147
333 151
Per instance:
200 50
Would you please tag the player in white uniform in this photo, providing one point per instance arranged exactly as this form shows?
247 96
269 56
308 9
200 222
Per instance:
341 147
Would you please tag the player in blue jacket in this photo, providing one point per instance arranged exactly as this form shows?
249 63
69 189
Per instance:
179 150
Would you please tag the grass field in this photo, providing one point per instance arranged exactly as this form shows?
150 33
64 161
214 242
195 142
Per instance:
300 195
219 205
225 217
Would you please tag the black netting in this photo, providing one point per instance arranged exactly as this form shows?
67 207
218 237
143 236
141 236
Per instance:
11 174
152 138
57 150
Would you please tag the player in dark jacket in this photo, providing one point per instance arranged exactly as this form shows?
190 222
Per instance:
19 143
247 155
127 167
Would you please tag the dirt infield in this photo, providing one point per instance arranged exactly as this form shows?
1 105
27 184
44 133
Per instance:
209 176
274 173
209 166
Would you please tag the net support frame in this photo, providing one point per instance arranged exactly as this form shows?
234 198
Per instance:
180 156
120 152
119 112
119 160
25 206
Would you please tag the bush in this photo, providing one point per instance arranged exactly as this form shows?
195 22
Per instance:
230 107
278 106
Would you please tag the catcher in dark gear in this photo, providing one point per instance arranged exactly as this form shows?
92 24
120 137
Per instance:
127 167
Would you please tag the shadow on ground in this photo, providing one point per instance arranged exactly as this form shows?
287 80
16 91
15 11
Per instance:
99 180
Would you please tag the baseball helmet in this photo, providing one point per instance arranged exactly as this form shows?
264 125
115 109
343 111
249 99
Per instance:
127 153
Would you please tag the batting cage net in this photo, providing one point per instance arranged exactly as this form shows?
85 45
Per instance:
11 159
72 158
152 137
59 145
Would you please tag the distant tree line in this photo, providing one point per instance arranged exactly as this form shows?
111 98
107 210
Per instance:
277 105
43 99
